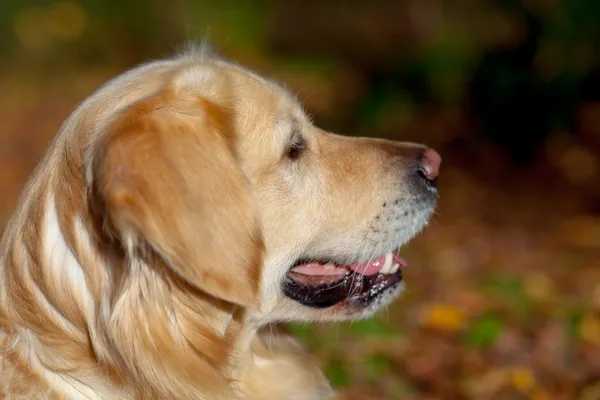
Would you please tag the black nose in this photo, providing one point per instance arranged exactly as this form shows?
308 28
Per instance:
428 165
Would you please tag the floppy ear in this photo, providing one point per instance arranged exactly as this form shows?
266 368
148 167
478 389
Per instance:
167 175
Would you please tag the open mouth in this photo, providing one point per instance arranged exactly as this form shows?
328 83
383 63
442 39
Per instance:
321 285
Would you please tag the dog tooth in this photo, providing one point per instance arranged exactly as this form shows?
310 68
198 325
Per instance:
329 265
394 268
384 269
389 258
387 265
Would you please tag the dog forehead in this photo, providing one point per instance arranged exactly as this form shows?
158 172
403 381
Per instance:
265 112
262 134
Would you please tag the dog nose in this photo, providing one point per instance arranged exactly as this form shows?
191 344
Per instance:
428 164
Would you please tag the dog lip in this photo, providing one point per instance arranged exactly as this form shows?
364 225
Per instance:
355 290
311 288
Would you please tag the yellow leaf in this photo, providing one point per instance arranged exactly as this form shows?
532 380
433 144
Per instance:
444 317
522 379
589 329
539 287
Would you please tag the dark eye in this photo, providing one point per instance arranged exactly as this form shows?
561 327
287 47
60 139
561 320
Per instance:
296 148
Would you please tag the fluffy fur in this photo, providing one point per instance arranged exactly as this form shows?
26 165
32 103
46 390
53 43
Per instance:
146 257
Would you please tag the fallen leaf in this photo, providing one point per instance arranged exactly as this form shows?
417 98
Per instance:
540 287
484 331
522 379
589 329
442 317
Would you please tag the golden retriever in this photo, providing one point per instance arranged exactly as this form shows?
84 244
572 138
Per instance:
182 212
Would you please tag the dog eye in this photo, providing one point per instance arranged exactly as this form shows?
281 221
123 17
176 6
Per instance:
296 148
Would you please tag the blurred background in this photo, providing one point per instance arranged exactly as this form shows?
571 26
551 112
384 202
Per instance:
504 286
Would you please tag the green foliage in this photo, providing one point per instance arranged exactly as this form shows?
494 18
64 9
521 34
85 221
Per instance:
482 333
337 374
448 62
303 332
377 366
372 327
573 320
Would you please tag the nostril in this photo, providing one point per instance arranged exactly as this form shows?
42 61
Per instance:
429 162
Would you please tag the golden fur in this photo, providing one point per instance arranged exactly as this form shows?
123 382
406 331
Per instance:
146 256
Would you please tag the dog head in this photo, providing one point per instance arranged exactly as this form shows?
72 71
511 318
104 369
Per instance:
223 176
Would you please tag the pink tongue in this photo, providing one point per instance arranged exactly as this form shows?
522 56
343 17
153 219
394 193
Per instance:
370 268
319 269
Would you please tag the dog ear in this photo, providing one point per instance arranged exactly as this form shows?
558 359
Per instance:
168 177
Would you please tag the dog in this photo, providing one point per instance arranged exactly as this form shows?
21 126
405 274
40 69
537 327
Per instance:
183 213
